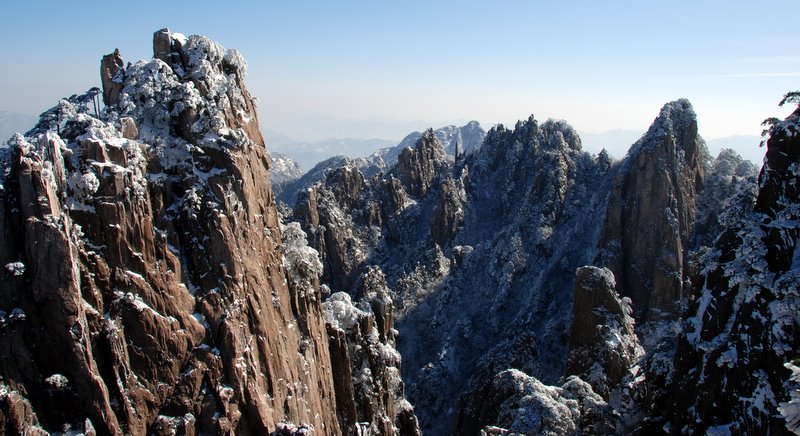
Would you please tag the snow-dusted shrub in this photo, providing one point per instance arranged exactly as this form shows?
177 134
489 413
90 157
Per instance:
791 409
57 381
83 186
302 262
16 268
340 312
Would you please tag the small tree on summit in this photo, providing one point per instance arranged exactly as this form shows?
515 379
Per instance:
790 97
771 122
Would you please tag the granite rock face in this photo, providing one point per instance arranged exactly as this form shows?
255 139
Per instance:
418 166
743 325
111 70
147 287
651 213
367 366
603 343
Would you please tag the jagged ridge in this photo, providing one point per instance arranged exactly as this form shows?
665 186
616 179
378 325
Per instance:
149 288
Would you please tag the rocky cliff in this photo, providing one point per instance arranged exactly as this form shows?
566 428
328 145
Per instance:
603 342
433 226
148 288
743 325
651 213
370 388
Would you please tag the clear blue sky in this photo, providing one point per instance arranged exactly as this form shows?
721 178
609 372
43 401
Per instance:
373 65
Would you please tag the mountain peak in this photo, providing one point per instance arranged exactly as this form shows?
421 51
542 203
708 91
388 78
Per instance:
663 172
151 285
678 120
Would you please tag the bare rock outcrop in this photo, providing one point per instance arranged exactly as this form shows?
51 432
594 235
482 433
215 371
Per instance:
144 271
603 343
111 68
366 364
418 166
651 213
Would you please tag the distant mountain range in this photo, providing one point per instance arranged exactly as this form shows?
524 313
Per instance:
616 142
309 153
12 122
746 145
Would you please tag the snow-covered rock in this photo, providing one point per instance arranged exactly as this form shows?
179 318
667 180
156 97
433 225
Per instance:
651 213
283 171
521 404
454 139
369 388
744 324
603 343
147 287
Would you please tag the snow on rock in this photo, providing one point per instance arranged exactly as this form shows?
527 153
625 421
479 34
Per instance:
744 322
728 195
524 405
340 312
302 263
475 251
464 139
651 212
149 271
790 410
370 392
19 416
603 343
57 381
283 171
15 268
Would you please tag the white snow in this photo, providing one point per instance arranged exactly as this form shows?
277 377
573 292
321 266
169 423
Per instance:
791 410
58 381
340 311
16 268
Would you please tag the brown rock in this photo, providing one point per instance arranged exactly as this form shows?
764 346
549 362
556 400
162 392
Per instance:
162 45
128 127
111 70
157 302
651 212
372 400
602 331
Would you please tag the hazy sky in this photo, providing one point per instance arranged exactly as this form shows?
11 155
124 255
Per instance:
374 69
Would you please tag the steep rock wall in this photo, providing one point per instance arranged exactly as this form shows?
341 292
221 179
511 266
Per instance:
651 213
744 324
147 283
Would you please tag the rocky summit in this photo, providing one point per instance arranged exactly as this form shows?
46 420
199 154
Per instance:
149 286
462 282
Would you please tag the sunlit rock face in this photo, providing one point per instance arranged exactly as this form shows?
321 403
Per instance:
651 213
145 288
